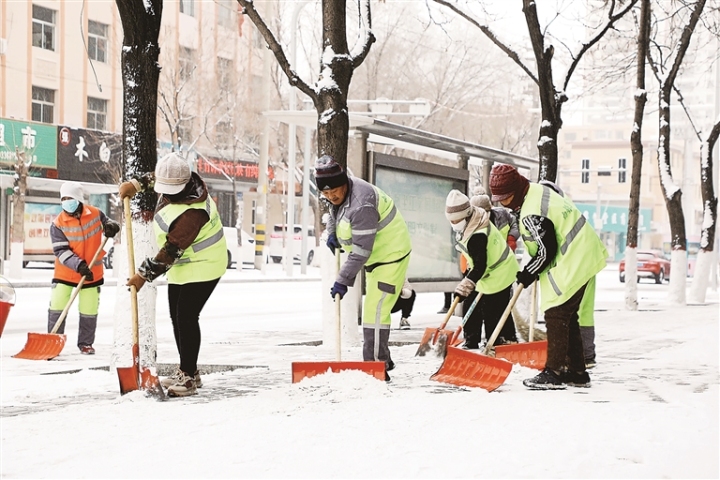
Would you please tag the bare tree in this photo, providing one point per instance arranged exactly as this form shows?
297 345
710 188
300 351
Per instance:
665 59
643 40
552 98
338 63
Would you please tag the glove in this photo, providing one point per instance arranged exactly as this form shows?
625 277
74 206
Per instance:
85 271
338 289
127 189
111 228
137 281
464 288
525 278
333 243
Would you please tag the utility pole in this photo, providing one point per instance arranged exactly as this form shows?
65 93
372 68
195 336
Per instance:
261 204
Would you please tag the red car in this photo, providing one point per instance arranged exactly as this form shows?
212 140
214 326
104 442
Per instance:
650 264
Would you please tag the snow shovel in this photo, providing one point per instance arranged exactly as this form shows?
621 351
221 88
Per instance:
455 340
45 346
136 377
436 338
467 369
530 354
301 370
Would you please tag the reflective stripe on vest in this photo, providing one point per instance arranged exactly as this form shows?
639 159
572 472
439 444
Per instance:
206 258
392 240
581 253
502 266
84 237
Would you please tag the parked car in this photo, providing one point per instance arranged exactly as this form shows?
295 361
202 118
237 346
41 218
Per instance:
650 264
277 243
245 250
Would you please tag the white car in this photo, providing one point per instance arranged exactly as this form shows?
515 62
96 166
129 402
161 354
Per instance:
277 243
244 251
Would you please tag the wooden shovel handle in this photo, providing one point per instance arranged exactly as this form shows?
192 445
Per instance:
131 267
504 317
75 292
445 320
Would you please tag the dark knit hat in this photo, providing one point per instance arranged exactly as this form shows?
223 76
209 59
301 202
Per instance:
329 174
505 181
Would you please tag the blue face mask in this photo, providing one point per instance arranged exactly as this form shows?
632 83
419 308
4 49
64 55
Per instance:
70 205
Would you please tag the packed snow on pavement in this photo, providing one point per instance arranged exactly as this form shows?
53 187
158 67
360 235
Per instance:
652 410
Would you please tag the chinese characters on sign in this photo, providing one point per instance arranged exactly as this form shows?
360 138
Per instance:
243 171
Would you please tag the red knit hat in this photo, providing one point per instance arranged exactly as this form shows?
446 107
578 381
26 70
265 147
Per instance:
505 181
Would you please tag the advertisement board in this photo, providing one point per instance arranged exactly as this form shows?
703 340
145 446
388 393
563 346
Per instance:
35 138
89 155
419 191
39 215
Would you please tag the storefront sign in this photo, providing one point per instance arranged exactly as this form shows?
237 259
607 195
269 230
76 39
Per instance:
89 155
614 219
242 171
35 139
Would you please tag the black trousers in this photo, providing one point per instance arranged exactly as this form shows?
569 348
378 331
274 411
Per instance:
488 311
404 304
565 346
186 302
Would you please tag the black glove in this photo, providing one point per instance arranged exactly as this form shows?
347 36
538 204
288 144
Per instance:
111 228
85 271
333 243
525 278
339 289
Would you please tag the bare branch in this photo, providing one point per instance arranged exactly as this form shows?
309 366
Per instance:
493 38
276 48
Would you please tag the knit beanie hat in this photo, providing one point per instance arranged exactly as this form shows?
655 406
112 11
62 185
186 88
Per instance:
72 190
172 173
481 201
329 174
457 206
505 181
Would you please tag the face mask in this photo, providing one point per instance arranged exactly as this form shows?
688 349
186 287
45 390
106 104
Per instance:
70 205
460 226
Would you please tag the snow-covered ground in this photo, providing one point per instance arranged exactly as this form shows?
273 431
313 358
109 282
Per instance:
652 411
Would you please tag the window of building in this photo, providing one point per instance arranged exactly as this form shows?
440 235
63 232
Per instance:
43 105
97 41
225 73
187 62
224 134
43 34
96 114
570 137
585 171
225 13
622 170
187 7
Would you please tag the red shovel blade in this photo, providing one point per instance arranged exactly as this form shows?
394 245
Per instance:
530 354
42 346
467 369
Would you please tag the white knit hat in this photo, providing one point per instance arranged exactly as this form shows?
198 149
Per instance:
457 206
172 173
72 190
481 201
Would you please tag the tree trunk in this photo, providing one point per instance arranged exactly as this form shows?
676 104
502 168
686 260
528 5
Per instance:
140 76
637 158
17 239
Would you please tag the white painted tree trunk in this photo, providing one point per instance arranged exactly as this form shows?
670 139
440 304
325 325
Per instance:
15 269
144 243
678 277
700 280
631 298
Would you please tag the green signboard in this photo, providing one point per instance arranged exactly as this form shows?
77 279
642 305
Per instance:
38 140
614 219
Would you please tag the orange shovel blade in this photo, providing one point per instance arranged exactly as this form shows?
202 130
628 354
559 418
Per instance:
302 370
42 346
150 384
430 341
129 376
530 354
467 369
